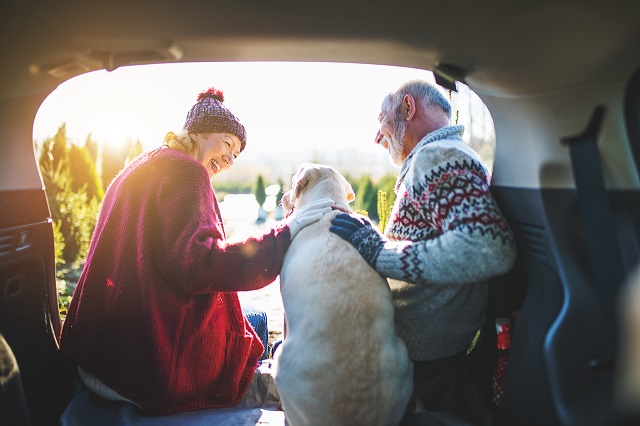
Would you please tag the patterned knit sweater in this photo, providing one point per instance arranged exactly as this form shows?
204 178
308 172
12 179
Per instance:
446 238
155 315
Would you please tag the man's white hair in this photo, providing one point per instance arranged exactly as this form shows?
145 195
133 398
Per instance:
422 91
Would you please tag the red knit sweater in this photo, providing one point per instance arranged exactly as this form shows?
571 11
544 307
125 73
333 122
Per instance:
155 314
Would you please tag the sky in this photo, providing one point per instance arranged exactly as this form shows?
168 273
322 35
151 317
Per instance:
292 106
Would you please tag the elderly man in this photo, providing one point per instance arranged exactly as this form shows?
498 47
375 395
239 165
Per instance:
444 239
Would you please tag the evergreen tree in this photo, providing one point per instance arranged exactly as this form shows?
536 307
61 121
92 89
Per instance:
63 167
78 216
383 210
261 196
367 197
83 172
91 145
113 160
53 165
387 184
135 150
45 161
280 192
58 243
47 172
59 146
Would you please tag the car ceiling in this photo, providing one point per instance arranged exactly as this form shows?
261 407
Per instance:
506 47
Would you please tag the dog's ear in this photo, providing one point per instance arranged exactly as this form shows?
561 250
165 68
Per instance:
350 194
306 176
287 200
348 189
300 184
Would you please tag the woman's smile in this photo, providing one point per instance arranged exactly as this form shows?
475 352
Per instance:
215 166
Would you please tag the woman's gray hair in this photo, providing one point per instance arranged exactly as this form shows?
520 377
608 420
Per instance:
422 91
181 141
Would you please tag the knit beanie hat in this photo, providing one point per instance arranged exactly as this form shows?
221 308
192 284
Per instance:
208 115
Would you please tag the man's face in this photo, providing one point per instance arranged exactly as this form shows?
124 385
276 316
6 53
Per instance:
392 131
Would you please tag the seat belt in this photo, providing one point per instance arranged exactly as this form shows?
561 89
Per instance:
597 219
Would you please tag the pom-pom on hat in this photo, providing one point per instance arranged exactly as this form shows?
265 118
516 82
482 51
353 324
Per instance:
208 115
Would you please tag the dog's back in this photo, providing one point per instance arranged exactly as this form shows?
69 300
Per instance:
341 361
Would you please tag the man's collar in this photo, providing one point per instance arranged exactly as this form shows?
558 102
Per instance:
448 132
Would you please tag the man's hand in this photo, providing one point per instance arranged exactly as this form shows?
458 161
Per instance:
360 234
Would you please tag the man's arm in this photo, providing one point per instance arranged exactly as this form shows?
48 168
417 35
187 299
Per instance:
474 243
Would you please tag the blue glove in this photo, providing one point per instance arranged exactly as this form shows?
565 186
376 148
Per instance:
360 234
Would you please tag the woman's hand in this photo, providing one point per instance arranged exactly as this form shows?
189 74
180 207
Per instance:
309 214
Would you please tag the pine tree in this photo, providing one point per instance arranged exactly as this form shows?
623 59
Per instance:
83 172
366 199
135 150
91 145
113 160
59 146
261 196
387 184
53 163
383 210
67 172
280 192
45 161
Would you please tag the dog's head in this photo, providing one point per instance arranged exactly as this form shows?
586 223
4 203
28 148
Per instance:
309 176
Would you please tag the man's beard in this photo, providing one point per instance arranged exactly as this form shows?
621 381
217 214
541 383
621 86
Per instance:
396 142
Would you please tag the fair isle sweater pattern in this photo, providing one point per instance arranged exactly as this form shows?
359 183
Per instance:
446 237
454 198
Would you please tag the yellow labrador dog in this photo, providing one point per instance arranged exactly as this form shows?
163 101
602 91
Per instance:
340 362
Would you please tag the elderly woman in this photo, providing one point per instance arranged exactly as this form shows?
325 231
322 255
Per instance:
155 318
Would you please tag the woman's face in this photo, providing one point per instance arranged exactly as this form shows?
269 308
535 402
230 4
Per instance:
216 151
